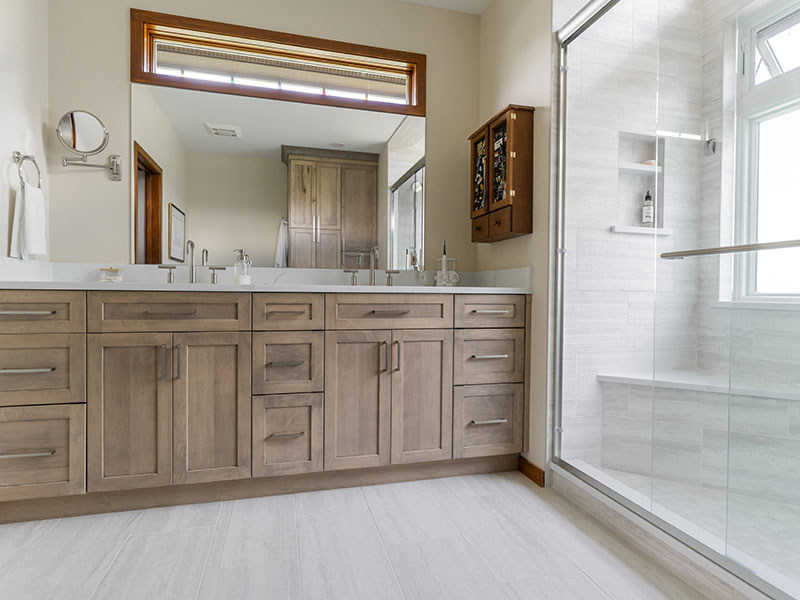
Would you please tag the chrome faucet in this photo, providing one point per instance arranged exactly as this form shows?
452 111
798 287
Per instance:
190 249
204 257
374 256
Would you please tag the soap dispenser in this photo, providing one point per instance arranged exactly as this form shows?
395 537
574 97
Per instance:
241 268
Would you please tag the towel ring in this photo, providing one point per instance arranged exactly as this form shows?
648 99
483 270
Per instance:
19 158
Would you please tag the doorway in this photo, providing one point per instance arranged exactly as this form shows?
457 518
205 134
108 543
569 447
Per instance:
147 208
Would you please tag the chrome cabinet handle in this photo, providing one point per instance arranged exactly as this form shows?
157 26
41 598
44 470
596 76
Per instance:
488 311
286 312
385 357
286 363
286 436
27 312
162 360
398 354
388 311
178 348
178 313
489 422
38 454
20 371
488 356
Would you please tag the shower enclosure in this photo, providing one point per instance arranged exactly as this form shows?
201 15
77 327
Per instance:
677 346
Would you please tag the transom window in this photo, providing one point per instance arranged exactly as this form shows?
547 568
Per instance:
196 54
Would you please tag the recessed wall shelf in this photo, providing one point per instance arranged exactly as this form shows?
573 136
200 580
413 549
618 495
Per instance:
641 230
631 167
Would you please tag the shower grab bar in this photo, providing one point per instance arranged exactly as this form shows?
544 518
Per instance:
731 249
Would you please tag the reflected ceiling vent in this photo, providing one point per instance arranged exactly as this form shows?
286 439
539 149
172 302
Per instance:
226 131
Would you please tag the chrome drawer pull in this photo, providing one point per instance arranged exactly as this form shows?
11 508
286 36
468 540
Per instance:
21 371
387 311
488 356
39 454
286 312
27 312
286 436
286 363
179 313
487 311
489 422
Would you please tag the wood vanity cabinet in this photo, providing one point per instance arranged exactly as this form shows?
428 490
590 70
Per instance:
333 203
501 176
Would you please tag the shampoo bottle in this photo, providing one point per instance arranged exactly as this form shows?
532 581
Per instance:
648 209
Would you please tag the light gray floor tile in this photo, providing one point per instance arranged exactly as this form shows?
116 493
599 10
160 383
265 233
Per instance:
342 558
573 586
458 487
330 501
16 540
443 569
158 566
278 580
170 518
254 531
406 512
71 559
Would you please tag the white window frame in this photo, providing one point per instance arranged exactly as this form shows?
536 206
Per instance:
756 104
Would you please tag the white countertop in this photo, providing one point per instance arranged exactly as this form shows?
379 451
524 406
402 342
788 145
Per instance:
226 287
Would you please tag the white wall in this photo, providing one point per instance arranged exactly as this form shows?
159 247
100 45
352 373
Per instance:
515 63
236 202
24 122
89 69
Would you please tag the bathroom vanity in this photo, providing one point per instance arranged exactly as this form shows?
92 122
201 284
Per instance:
116 398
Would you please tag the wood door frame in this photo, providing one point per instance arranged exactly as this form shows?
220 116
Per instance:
153 207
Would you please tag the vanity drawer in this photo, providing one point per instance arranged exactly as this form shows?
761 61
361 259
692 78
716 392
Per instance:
489 356
500 223
42 451
42 369
487 420
489 311
288 312
33 311
480 229
389 311
288 361
168 311
287 434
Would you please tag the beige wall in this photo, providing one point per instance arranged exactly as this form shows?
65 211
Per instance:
90 70
24 123
515 63
236 202
153 131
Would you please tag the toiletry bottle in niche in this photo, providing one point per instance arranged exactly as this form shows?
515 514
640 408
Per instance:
241 268
648 209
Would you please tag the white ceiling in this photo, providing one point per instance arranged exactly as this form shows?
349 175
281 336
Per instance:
476 7
268 124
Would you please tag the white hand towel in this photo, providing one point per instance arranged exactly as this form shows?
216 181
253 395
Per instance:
29 229
281 245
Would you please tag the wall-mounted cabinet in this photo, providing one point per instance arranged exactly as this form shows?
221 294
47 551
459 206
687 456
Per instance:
501 176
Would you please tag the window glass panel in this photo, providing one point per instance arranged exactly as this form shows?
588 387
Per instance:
777 48
778 203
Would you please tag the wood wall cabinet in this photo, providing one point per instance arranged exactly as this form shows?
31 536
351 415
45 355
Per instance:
501 176
333 204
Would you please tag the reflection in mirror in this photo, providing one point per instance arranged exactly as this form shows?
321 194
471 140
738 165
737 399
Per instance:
298 185
82 133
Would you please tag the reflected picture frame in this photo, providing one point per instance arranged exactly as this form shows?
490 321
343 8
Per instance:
177 233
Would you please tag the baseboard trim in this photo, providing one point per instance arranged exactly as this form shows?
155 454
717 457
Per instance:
103 502
531 471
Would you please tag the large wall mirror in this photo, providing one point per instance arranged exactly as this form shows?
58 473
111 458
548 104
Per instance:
299 160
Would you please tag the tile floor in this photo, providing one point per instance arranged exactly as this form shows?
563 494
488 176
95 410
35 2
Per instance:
480 536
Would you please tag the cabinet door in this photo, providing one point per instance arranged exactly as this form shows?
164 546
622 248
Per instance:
301 194
211 392
302 248
357 401
329 249
422 395
129 406
328 196
360 207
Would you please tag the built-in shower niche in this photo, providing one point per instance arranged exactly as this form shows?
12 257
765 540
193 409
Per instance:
640 165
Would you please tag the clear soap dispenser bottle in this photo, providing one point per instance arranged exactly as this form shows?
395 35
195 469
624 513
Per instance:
241 268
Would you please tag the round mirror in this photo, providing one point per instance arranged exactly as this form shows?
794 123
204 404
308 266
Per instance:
82 132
